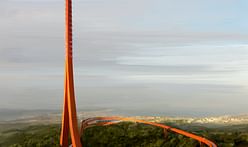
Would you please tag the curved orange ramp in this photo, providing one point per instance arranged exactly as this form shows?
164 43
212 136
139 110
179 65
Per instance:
104 121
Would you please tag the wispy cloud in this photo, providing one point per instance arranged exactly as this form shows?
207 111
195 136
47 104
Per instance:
159 52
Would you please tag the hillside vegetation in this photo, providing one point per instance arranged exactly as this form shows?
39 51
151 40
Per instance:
124 135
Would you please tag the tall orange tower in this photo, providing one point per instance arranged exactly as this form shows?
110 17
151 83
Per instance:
69 116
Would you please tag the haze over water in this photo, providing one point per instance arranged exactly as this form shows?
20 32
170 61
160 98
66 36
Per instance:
141 57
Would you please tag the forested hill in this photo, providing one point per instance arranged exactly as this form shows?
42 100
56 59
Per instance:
124 135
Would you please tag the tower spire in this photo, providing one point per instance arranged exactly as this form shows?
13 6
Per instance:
69 116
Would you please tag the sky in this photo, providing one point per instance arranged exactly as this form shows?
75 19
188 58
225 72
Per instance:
154 57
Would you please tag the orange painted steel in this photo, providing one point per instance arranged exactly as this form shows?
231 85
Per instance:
104 121
69 118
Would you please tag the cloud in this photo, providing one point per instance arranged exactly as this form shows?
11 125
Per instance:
126 50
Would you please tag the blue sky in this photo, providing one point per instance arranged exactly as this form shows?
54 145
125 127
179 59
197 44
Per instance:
157 56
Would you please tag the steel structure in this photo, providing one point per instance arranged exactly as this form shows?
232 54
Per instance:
69 116
105 121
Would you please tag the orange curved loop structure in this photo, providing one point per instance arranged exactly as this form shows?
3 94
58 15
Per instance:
104 121
69 118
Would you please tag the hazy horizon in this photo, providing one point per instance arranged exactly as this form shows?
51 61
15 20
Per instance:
161 56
